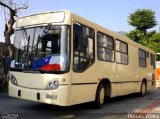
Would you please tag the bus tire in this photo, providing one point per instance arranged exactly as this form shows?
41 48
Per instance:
143 89
100 96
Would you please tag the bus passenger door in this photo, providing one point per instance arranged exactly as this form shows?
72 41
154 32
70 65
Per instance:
82 81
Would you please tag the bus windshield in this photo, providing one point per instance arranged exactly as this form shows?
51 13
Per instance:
43 48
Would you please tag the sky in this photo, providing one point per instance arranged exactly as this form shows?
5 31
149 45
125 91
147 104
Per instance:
112 14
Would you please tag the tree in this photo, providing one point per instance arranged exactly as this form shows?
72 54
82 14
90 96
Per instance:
142 19
154 43
13 9
135 35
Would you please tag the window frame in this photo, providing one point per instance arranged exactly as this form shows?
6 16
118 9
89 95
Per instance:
152 60
142 58
98 46
122 52
45 71
81 71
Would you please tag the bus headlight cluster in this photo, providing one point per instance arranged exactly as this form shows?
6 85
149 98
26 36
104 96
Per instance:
53 84
13 80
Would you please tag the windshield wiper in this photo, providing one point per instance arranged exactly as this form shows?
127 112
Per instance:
45 31
40 36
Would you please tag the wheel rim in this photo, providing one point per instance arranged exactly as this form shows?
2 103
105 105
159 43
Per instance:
102 96
143 89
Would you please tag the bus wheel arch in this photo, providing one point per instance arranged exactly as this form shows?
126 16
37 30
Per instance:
107 85
103 91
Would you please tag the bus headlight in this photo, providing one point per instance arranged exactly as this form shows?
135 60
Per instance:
52 85
13 80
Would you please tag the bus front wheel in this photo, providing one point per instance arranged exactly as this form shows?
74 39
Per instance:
100 96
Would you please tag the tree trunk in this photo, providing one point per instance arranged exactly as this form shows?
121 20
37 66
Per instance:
9 28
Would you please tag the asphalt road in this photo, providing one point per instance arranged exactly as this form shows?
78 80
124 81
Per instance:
124 107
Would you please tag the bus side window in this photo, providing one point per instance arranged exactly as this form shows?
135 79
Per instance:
142 58
83 47
105 47
121 52
152 60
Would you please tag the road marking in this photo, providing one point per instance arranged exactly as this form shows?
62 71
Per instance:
151 107
145 113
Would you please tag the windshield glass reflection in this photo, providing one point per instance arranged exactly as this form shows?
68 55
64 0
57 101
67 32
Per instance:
42 48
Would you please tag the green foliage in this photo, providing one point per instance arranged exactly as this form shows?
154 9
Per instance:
152 39
154 42
133 35
136 35
150 33
142 19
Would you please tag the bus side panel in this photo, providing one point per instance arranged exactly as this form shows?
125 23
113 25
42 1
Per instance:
124 88
126 76
147 73
82 93
84 84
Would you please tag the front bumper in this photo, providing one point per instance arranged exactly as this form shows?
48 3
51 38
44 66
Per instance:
56 97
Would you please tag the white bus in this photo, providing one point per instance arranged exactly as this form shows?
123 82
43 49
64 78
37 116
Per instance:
63 59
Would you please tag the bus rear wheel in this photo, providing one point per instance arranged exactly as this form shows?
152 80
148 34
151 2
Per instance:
143 89
100 96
